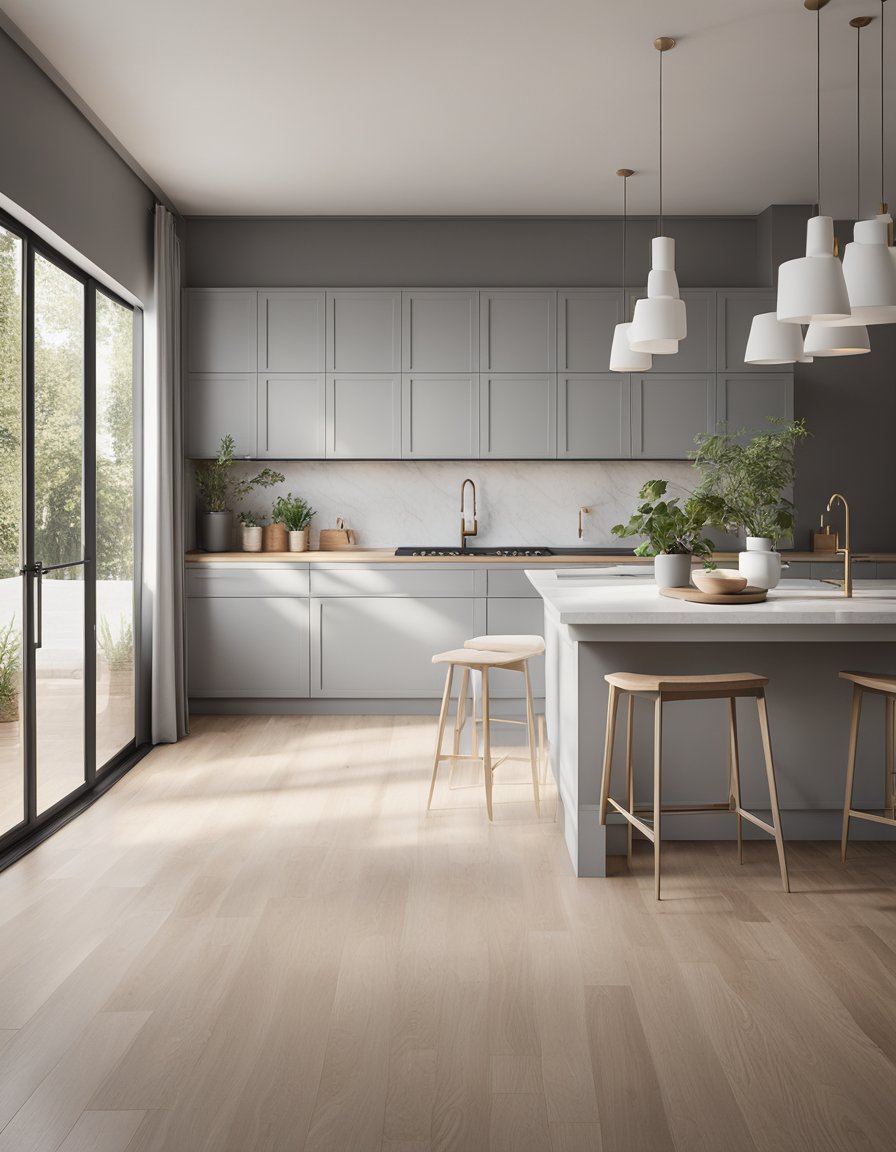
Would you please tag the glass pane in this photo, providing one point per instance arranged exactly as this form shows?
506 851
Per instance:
114 528
12 793
58 471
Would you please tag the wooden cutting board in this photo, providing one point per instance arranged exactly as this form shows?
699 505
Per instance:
747 595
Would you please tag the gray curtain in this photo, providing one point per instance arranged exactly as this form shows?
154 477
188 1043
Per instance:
169 681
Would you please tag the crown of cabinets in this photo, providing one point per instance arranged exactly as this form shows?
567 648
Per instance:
429 374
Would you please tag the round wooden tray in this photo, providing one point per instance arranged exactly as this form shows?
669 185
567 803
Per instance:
747 595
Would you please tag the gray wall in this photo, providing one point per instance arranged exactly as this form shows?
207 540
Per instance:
58 168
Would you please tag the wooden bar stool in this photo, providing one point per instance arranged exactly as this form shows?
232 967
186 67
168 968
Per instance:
663 690
881 685
481 660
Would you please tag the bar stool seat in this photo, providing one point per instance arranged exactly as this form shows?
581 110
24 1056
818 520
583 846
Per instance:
480 660
663 690
507 643
880 684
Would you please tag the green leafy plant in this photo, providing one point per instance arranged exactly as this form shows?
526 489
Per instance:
217 488
250 519
292 512
117 650
742 483
10 658
670 528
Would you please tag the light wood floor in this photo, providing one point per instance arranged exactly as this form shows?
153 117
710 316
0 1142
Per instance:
260 941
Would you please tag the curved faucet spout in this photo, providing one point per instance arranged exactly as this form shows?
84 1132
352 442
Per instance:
464 530
845 551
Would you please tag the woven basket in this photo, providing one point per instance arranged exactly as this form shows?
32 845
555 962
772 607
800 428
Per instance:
274 538
336 539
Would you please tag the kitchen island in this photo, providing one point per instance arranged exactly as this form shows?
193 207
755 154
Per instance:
800 637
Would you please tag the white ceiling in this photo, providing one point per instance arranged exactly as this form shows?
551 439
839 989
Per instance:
484 107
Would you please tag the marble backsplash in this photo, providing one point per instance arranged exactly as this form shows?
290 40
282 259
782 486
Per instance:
406 502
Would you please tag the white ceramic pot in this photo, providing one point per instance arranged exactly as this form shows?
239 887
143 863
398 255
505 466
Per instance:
298 541
672 571
760 563
251 537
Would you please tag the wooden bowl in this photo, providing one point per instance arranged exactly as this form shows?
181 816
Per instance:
718 580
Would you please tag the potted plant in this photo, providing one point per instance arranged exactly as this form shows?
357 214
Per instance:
742 489
10 654
295 515
251 531
217 489
674 533
118 652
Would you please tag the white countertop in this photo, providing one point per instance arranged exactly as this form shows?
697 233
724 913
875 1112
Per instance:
582 598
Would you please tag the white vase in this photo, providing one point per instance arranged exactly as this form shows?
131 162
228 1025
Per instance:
760 563
251 537
672 570
298 541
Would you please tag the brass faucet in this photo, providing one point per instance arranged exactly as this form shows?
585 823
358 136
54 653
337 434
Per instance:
844 552
583 511
464 531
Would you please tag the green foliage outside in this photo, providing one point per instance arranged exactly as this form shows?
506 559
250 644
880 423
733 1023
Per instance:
10 655
670 528
118 650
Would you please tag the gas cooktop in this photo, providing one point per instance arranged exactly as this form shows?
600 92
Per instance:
449 551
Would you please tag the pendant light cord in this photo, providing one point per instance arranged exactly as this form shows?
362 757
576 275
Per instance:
818 110
624 230
881 102
661 144
858 122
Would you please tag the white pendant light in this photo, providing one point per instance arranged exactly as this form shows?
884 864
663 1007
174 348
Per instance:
771 342
622 358
812 287
660 320
837 340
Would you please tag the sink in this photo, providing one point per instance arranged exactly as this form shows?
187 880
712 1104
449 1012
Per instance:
453 550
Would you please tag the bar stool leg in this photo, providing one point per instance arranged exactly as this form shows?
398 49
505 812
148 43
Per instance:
612 702
657 790
851 764
474 733
460 719
629 775
443 714
772 788
530 733
889 796
734 775
542 750
486 745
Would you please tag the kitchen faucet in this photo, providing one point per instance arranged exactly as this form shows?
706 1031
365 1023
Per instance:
844 552
464 531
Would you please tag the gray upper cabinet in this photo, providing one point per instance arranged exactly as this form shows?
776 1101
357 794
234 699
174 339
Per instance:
518 330
291 416
440 330
518 416
697 352
746 400
736 309
594 417
668 410
586 321
440 416
220 404
291 331
363 330
363 416
222 325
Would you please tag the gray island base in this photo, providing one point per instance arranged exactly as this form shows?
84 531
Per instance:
806 632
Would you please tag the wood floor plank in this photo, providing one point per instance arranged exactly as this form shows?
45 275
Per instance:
575 1138
102 1132
518 1123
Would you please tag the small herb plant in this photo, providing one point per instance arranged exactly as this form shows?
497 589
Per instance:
10 656
292 512
670 528
118 650
742 483
217 488
250 519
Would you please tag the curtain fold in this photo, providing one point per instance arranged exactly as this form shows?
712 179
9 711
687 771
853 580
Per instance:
169 718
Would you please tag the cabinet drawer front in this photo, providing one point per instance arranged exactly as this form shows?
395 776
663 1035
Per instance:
245 648
510 582
397 582
244 581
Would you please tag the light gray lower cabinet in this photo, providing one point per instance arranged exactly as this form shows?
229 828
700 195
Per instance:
594 417
668 411
440 416
291 416
247 633
220 404
363 417
746 400
518 416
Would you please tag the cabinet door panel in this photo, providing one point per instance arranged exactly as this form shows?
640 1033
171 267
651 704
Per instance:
221 330
668 411
586 321
248 646
291 417
513 617
518 418
518 331
220 404
383 647
747 400
291 327
364 331
736 310
363 417
440 331
594 417
440 416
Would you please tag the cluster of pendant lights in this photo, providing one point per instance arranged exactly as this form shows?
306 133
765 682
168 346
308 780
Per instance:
836 300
